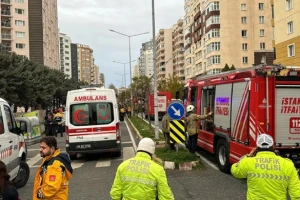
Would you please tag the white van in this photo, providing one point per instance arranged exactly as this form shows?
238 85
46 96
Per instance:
12 146
92 122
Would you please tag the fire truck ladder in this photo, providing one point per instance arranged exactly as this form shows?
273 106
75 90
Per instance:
257 67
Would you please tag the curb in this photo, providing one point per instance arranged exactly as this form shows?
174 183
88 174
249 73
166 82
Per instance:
156 159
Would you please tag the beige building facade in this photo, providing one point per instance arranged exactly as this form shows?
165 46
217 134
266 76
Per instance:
85 64
164 54
65 54
287 31
44 33
178 50
96 75
14 26
235 33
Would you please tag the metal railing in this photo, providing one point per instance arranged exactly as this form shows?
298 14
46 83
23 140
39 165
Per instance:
5 24
5 36
6 12
5 1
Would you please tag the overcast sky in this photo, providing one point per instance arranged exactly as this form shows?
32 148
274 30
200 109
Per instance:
88 22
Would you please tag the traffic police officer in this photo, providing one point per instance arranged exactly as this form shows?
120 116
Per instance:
269 176
140 177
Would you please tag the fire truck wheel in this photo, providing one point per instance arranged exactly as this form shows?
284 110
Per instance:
222 156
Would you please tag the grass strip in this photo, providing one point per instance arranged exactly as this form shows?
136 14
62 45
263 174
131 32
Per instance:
144 128
182 156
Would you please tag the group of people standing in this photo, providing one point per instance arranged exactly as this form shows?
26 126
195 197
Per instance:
53 122
124 110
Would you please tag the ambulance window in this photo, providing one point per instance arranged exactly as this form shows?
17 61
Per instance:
104 113
11 124
80 114
1 122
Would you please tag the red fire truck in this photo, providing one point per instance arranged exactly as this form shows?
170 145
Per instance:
246 103
164 98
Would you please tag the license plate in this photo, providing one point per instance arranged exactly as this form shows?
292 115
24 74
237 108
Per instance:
83 146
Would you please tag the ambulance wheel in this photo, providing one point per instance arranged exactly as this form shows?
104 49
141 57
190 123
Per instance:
222 156
22 176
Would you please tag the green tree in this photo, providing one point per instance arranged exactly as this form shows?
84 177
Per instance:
226 68
112 86
232 67
171 84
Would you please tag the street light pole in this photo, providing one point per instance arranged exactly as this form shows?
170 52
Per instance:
155 75
129 36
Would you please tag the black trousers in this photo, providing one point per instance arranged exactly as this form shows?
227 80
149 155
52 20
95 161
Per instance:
193 143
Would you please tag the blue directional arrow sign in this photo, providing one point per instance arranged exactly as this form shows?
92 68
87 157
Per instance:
175 110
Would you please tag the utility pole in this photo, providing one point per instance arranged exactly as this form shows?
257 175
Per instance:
155 75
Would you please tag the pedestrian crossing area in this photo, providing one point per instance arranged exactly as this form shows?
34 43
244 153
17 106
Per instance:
105 161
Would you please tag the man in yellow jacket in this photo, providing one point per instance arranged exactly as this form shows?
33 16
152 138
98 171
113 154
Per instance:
52 177
140 177
58 117
269 176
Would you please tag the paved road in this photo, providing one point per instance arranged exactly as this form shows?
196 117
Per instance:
93 176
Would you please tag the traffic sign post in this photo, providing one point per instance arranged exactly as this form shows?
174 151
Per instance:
176 110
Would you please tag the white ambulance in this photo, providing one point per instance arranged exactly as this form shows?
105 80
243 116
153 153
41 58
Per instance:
92 122
12 146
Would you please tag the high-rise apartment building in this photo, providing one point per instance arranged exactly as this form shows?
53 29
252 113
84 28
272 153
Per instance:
135 71
286 24
164 53
74 62
217 33
178 50
43 33
145 62
102 79
96 75
14 26
85 63
65 54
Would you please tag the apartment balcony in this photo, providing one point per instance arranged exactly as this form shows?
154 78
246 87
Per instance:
5 2
6 48
6 36
6 13
6 24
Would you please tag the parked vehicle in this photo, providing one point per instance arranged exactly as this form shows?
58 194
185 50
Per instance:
246 103
164 99
92 122
12 146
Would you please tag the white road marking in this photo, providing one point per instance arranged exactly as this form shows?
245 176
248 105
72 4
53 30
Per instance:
77 163
103 163
126 142
208 162
34 160
131 137
128 153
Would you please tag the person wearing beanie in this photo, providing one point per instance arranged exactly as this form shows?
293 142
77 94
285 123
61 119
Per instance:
269 176
140 177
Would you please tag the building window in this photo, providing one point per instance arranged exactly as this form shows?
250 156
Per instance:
213 60
261 19
262 32
262 45
20 34
214 46
66 46
19 1
245 60
20 23
215 19
244 33
66 52
289 4
261 6
20 11
290 26
245 46
243 6
244 20
20 46
291 50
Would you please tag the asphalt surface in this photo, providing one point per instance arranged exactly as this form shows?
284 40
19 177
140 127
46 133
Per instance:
93 176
